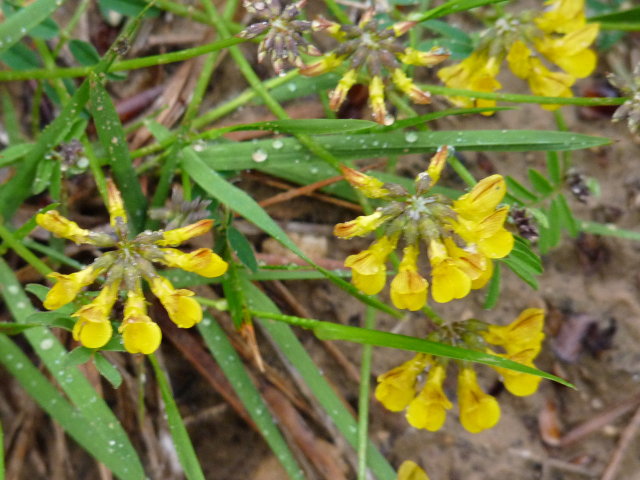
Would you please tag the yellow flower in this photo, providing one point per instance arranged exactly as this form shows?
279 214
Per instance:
183 310
571 52
483 198
338 95
63 227
93 328
561 16
360 225
376 99
201 261
411 471
396 388
478 410
524 333
489 234
139 333
477 72
369 272
326 64
409 288
68 286
172 238
518 383
406 85
370 186
428 409
116 205
433 57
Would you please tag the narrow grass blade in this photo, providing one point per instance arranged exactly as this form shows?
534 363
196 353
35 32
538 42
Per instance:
299 358
21 23
97 415
179 434
231 364
114 142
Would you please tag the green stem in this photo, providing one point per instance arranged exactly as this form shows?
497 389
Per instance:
461 170
125 65
22 251
363 400
337 11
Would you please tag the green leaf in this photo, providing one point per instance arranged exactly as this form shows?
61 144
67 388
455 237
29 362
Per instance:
567 220
85 53
10 328
114 141
622 16
130 8
77 356
43 176
21 23
20 57
452 6
314 126
13 153
243 249
609 230
554 168
231 364
522 269
493 291
522 193
180 436
107 370
539 182
289 151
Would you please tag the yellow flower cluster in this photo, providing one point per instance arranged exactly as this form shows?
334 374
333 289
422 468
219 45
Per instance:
367 48
560 35
124 266
461 238
426 407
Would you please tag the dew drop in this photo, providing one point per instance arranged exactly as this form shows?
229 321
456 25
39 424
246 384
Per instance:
259 156
46 344
277 144
411 137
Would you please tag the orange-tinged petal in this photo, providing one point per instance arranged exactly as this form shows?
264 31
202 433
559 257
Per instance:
62 227
405 84
360 226
411 56
172 238
116 205
370 186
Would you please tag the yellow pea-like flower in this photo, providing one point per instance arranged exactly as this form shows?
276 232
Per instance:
428 410
561 16
139 333
518 383
370 186
369 272
396 388
93 328
406 85
376 99
62 227
326 64
202 261
68 287
183 310
478 410
524 333
115 204
411 56
360 225
409 288
482 199
172 238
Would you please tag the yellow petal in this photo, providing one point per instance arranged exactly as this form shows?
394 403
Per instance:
376 99
411 56
325 64
396 388
437 163
116 205
483 198
92 334
202 261
499 245
524 333
338 95
428 410
519 59
360 226
478 410
172 238
449 282
183 310
141 336
411 471
67 287
405 84
370 186
62 227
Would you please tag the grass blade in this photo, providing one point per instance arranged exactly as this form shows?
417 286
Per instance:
21 23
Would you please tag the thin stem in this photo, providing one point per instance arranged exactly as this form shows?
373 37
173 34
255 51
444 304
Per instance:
337 11
363 400
22 251
461 170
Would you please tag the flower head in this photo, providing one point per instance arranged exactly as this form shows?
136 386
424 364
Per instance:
550 50
372 54
411 471
460 238
284 39
129 262
426 406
